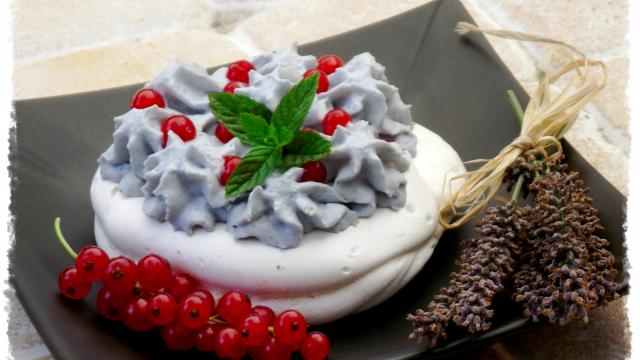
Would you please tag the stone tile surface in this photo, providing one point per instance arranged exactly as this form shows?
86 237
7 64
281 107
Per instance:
589 137
124 63
45 27
613 101
595 26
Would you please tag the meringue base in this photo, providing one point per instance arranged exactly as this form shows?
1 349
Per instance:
329 276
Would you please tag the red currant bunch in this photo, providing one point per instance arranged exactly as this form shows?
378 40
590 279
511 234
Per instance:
148 294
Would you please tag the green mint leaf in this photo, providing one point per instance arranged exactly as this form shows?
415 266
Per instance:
254 168
257 131
295 105
228 107
306 146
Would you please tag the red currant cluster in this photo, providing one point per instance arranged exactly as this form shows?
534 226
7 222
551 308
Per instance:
148 294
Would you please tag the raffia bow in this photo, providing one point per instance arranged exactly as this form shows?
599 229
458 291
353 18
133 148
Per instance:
546 119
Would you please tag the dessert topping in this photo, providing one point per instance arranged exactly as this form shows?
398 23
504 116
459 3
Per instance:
145 98
276 138
239 71
232 86
180 125
314 171
333 119
230 164
329 63
223 134
323 80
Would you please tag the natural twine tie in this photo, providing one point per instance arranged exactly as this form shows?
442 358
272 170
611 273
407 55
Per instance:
546 119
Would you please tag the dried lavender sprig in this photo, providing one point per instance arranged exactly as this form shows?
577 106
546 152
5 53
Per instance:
566 268
486 264
483 268
430 326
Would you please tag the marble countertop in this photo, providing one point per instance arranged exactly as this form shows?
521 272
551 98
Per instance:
89 45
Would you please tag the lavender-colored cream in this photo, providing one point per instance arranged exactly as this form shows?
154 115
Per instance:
180 183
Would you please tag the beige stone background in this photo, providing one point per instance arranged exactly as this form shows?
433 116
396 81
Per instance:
69 46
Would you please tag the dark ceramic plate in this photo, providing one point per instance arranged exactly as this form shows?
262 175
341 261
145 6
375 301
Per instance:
457 88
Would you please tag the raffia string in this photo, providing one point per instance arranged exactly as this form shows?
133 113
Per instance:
546 119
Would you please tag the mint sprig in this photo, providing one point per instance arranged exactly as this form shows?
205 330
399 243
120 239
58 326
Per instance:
276 139
306 146
228 107
254 169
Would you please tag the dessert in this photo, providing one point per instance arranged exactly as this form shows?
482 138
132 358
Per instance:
328 237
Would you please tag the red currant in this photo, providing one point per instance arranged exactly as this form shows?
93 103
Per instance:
314 171
206 295
162 309
135 316
232 86
145 98
323 80
231 162
181 286
91 261
239 71
120 275
271 349
177 337
194 311
229 344
315 346
180 125
290 328
254 329
205 337
266 313
333 119
110 304
329 63
233 306
72 284
223 134
154 272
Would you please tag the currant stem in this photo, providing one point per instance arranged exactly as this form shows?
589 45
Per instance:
61 239
215 319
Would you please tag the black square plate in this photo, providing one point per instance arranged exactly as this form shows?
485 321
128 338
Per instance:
457 88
